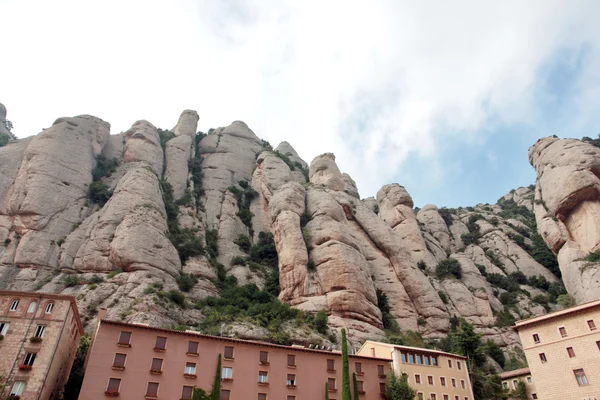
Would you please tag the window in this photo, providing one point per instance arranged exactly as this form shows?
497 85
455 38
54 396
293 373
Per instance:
291 360
125 338
411 358
430 379
534 396
403 357
456 398
152 389
29 359
381 371
570 352
433 396
358 368
418 378
264 357
458 364
426 360
446 397
14 305
381 387
161 343
361 386
262 376
291 380
18 388
515 384
156 364
39 331
536 338
330 365
227 373
228 352
420 396
591 325
331 383
443 381
581 378
32 307
186 393
529 379
505 385
49 308
192 348
563 331
543 357
462 384
190 368
262 396
119 361
419 359
291 398
225 395
4 328
598 344
113 385
449 363
453 382
434 360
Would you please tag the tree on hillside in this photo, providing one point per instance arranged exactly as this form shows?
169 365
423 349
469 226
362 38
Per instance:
346 395
397 388
355 386
215 393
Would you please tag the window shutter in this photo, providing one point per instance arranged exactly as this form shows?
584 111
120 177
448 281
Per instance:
380 370
381 387
125 337
161 342
264 357
228 352
113 384
152 389
186 393
193 347
119 360
358 367
360 386
156 364
262 396
331 383
330 365
225 394
291 360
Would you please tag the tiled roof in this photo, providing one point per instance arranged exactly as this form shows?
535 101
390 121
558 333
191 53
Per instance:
516 372
420 349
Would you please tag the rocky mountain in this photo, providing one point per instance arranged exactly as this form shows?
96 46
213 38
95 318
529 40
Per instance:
166 227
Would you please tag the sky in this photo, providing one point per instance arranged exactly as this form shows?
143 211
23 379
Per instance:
441 97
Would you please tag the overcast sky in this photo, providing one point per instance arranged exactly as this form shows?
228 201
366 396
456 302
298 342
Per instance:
443 97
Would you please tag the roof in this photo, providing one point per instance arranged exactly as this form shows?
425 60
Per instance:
420 349
232 340
516 372
53 296
557 314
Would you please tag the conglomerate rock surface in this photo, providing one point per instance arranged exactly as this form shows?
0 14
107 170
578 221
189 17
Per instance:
336 253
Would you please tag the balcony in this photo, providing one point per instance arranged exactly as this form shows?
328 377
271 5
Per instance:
111 393
189 376
24 367
123 344
226 379
192 354
118 368
263 383
159 349
156 372
35 339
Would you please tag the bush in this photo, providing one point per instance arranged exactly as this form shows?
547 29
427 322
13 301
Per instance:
237 260
495 352
71 280
421 321
95 279
449 267
386 316
593 257
518 277
164 136
505 319
243 242
543 255
98 193
212 242
4 139
114 273
186 281
494 258
104 167
320 322
446 215
443 296
422 266
186 243
565 301
502 282
482 270
508 299
541 299
176 297
264 251
470 238
539 281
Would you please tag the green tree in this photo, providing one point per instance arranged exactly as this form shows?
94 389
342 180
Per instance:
215 393
520 393
346 394
199 394
326 391
355 386
397 388
73 386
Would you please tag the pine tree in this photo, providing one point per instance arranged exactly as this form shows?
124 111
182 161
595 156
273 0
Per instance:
215 393
346 394
355 384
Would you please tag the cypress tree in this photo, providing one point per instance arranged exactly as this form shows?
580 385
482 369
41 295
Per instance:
326 391
355 384
215 393
346 394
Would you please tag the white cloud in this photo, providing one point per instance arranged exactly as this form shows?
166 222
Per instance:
371 81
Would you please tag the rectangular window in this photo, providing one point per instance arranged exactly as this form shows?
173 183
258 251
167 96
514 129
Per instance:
29 359
14 305
291 360
225 395
515 384
418 378
381 387
291 380
125 338
381 371
262 396
411 358
190 368
598 344
453 382
543 357
186 393
156 364
430 380
330 365
456 398
581 378
161 343
434 360
570 352
420 396
529 379
426 360
32 307
462 384
228 353
119 361
361 386
227 373
403 357
433 396
446 397
358 368
331 383
49 308
591 325
563 331
262 376
264 357
449 363
39 331
536 338
459 365
18 388
291 398
534 396
443 381
192 347
113 385
152 389
419 359
4 328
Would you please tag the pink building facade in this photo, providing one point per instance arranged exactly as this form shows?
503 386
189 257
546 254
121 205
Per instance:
135 361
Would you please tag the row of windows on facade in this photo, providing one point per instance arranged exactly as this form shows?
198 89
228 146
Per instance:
37 333
433 396
263 356
570 352
422 359
563 331
515 383
443 381
32 306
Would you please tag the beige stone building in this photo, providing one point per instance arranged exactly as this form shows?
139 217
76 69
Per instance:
435 375
40 333
563 352
511 379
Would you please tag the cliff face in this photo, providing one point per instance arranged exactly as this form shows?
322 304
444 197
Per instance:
567 209
116 220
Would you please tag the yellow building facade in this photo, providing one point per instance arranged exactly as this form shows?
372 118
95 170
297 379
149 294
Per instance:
511 379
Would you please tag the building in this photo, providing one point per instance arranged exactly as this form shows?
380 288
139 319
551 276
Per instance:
563 352
435 375
134 361
511 379
40 333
